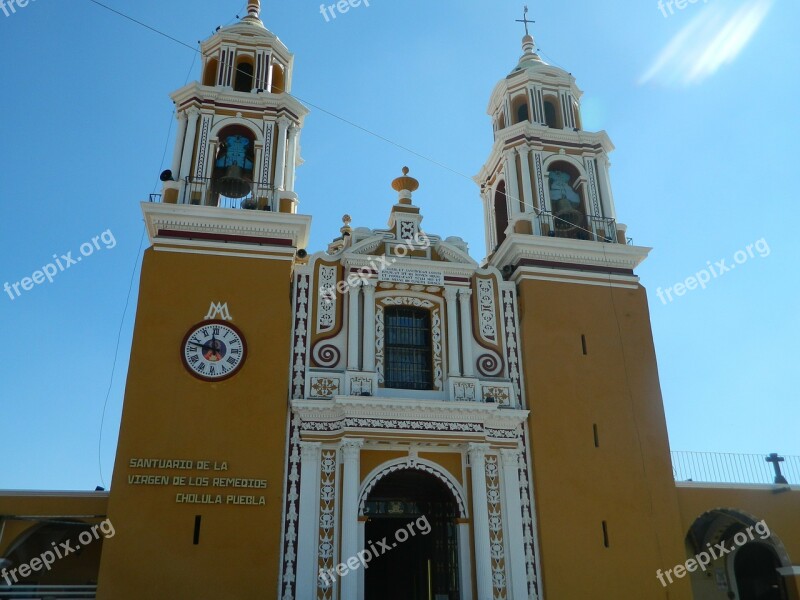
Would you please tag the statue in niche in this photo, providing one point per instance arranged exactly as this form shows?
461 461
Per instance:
235 151
565 201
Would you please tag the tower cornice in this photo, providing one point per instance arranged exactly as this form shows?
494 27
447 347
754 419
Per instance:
212 227
520 250
214 97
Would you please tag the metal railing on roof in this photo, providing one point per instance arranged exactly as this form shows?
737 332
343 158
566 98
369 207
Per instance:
721 467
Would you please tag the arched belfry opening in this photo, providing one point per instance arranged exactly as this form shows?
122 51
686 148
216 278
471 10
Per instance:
210 72
232 176
566 198
500 204
415 513
243 81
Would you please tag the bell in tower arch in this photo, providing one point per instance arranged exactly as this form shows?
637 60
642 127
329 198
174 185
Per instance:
233 168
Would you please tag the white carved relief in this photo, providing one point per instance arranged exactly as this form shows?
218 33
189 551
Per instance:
487 313
497 544
327 519
326 299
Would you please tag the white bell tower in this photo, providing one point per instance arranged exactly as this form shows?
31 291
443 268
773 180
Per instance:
238 141
546 176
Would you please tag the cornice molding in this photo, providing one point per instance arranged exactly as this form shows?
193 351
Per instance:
489 416
212 226
567 253
226 96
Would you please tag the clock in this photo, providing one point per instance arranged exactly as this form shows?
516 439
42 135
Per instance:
213 350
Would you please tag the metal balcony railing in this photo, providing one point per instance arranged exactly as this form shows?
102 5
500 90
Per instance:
718 467
48 592
576 226
207 192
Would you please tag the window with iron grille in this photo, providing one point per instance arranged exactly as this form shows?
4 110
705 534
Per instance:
408 349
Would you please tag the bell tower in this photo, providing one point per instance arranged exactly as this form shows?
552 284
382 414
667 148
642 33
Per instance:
606 507
238 140
200 470
546 175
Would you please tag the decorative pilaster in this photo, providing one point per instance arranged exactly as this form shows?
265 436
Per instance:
513 523
512 186
308 527
188 143
450 295
468 368
291 168
179 143
527 189
351 456
353 362
606 195
280 159
480 518
369 327
486 196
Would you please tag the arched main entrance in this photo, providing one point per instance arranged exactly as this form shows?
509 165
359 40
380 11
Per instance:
411 520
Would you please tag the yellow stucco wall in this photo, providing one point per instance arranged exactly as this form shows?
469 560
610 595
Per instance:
626 481
168 414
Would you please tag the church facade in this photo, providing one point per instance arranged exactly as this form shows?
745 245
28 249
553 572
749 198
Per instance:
388 418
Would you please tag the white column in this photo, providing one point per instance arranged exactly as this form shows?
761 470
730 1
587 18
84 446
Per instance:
280 159
188 143
450 294
269 75
606 196
179 141
486 196
351 453
527 189
468 369
369 327
352 329
515 546
480 519
464 563
291 166
308 526
512 187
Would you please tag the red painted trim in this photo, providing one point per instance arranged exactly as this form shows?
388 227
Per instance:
573 267
217 237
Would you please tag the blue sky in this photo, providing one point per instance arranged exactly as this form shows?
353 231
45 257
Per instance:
701 105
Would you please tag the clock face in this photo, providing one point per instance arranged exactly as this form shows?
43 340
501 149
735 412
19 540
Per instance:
213 350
